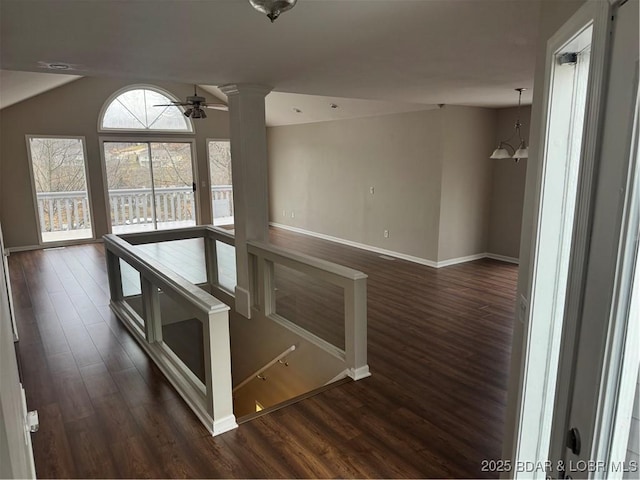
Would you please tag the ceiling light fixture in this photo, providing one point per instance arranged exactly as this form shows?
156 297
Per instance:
272 8
55 65
522 151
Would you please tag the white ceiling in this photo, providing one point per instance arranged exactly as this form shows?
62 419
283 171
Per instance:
396 52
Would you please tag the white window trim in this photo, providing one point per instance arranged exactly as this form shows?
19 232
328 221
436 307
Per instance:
139 86
34 194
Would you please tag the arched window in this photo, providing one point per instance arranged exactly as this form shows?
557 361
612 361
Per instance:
135 110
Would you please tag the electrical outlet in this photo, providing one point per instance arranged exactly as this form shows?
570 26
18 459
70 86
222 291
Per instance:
386 234
372 190
293 215
284 213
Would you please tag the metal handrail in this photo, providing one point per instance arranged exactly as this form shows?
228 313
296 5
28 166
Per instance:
265 367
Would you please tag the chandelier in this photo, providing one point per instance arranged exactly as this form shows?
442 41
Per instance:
522 151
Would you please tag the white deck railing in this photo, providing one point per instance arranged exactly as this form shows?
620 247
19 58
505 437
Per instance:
60 211
64 211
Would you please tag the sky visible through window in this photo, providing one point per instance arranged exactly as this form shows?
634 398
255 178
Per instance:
136 110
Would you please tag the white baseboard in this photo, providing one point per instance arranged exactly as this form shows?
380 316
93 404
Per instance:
24 248
391 253
455 261
44 246
362 246
503 258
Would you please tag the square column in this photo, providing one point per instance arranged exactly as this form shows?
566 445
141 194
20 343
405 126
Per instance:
249 172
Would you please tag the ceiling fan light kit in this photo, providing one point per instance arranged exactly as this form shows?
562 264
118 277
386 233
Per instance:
272 8
196 103
522 151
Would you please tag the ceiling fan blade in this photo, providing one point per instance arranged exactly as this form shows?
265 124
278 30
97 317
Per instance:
216 106
174 104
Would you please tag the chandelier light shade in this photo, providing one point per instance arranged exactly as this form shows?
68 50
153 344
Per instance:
500 152
504 146
272 8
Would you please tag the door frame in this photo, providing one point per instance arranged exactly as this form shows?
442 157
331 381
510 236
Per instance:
141 138
607 327
536 387
34 193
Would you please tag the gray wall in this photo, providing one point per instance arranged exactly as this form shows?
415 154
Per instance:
323 172
73 109
468 135
507 194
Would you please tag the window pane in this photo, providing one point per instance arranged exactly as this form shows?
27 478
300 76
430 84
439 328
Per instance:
137 110
117 116
129 185
61 188
221 183
173 181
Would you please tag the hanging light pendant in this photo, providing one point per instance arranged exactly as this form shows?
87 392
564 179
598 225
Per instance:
522 151
500 153
272 8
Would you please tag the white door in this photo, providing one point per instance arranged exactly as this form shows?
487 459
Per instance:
599 364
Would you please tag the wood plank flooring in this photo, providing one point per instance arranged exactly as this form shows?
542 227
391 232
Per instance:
439 347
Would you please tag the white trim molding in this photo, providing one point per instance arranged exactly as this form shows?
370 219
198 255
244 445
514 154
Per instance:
503 258
391 253
455 261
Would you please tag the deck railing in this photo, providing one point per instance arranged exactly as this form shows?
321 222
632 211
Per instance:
63 211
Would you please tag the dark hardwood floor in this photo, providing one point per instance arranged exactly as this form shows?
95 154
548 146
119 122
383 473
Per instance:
439 346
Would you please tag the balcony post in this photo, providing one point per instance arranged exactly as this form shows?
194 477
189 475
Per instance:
151 311
114 275
217 371
355 328
211 260
249 163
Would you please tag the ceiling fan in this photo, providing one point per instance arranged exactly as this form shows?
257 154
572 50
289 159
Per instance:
196 104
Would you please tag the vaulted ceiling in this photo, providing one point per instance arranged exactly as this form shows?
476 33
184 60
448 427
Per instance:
402 52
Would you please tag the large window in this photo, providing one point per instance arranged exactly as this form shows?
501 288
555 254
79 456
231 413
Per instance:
58 172
144 109
150 184
150 177
221 184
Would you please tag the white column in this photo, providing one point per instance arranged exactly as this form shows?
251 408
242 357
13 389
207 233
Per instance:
249 166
